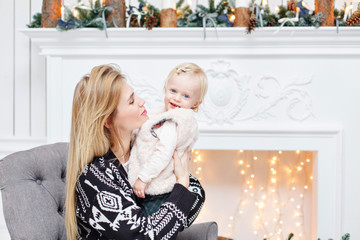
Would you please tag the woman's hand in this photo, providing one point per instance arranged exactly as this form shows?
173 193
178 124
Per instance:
181 168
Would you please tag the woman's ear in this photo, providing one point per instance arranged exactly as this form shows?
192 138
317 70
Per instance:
107 123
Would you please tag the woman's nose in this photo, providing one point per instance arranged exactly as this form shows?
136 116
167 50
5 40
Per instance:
141 102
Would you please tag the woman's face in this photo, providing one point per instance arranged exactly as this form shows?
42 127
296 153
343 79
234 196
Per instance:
130 111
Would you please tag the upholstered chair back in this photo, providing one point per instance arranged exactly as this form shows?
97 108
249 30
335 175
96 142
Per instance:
33 192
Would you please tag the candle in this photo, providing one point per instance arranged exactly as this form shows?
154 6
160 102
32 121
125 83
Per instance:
189 3
242 3
297 13
169 4
347 12
76 13
62 13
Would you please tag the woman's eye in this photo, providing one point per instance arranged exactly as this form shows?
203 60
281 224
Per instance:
132 101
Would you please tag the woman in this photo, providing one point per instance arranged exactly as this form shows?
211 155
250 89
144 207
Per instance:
100 203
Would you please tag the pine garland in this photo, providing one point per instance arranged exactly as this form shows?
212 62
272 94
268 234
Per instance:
36 22
92 16
222 20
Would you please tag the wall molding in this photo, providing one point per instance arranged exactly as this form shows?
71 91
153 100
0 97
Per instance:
10 145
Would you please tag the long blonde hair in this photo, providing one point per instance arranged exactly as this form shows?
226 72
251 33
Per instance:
96 97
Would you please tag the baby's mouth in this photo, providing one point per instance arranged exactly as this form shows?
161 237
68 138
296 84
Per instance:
174 105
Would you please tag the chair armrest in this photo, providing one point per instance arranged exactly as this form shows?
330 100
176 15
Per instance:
200 231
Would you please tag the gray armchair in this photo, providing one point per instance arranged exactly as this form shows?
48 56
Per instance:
32 184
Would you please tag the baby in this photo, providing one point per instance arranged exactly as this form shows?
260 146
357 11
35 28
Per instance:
173 127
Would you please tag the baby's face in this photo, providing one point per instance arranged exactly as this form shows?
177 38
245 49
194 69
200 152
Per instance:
182 91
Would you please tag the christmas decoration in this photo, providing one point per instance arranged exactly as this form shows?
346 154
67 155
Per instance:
182 13
216 14
242 16
116 16
252 23
326 7
354 19
151 22
143 16
225 14
36 23
168 16
51 11
304 9
84 16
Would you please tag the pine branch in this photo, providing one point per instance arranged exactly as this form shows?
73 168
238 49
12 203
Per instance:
36 22
212 6
179 3
203 8
221 7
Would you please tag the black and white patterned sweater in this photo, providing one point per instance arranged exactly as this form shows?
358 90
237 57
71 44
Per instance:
107 207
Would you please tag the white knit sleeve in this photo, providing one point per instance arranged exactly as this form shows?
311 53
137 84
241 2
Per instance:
162 154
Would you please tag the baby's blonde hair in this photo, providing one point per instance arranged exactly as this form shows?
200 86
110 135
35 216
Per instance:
190 68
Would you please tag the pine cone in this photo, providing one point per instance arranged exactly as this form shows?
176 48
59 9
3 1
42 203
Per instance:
271 23
251 24
134 22
354 19
151 22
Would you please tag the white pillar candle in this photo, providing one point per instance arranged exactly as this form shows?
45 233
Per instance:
297 13
242 3
168 4
62 13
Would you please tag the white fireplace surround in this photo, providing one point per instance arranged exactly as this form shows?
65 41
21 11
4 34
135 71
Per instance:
267 91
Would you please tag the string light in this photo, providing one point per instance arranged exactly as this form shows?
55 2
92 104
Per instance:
269 199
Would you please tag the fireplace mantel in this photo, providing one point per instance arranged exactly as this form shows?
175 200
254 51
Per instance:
184 41
270 90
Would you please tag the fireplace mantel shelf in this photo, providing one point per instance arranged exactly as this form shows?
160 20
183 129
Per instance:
233 41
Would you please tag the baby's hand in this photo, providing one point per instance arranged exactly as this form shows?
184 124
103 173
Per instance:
139 188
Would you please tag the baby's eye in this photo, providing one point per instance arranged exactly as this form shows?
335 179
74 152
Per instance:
186 96
173 90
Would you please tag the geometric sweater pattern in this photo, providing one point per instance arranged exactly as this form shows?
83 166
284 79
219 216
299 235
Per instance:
145 144
108 209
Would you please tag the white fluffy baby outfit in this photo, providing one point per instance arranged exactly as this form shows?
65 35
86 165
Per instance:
145 146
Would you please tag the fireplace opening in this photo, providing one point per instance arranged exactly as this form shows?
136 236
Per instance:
254 194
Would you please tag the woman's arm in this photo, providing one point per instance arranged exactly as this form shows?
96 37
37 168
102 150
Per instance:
107 209
194 186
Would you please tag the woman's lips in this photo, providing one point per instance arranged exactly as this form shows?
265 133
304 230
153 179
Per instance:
144 112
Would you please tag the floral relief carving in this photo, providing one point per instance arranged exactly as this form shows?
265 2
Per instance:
151 95
232 97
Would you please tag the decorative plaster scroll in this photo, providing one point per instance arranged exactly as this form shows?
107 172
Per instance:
151 95
231 98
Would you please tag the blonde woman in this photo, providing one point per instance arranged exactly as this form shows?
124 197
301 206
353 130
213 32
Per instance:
100 203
